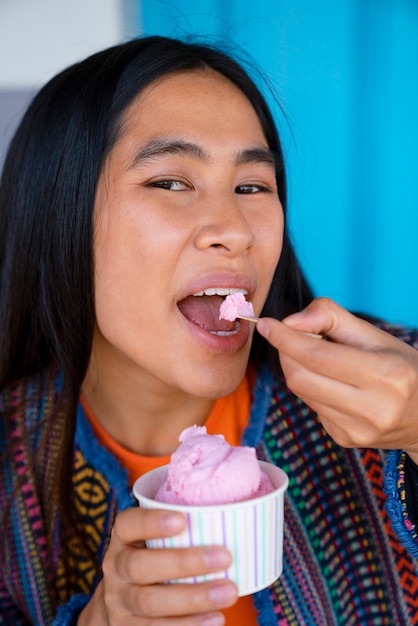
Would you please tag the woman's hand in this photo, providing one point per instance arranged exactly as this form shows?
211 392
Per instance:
363 383
130 592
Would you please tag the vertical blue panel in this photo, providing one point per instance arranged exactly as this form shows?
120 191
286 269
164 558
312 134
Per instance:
384 158
347 74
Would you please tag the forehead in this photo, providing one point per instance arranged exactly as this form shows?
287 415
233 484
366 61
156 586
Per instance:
192 101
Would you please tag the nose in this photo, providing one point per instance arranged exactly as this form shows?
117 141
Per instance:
224 226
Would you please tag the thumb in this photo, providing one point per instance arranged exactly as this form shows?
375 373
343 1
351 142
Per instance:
282 336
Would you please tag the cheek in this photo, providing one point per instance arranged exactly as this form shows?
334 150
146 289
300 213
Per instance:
271 240
123 245
117 257
135 253
270 247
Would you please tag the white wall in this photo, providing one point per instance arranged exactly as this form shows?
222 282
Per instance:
38 38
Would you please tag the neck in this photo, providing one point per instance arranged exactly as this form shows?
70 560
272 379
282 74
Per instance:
141 413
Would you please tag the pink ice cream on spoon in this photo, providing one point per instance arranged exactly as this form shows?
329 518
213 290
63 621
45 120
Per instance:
206 470
235 305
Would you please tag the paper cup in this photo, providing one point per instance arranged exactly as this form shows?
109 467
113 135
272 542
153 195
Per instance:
252 530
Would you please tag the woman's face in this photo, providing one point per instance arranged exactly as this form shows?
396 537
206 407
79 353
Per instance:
187 204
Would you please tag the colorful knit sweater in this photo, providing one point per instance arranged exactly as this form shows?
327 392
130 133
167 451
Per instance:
350 548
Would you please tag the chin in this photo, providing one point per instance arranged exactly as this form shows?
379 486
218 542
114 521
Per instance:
218 383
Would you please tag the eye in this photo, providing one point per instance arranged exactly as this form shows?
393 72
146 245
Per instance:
249 188
170 184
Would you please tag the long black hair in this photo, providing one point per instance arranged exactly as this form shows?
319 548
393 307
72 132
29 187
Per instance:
47 195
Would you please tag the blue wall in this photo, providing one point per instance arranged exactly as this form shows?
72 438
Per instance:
347 75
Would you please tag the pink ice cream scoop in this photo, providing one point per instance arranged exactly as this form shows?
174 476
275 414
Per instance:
235 305
205 469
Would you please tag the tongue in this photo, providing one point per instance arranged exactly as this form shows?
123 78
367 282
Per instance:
204 312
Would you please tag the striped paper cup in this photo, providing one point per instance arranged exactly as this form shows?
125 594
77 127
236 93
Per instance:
252 530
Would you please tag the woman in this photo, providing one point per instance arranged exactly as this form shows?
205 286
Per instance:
143 185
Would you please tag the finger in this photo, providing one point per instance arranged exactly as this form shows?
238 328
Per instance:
111 611
393 366
351 415
211 619
323 316
389 375
368 429
149 566
208 619
338 434
135 524
334 361
180 598
352 432
349 381
349 430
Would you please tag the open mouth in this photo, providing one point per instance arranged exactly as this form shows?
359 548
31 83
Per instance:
202 309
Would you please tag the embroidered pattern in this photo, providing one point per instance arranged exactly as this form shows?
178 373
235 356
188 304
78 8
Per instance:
338 567
343 563
92 503
402 496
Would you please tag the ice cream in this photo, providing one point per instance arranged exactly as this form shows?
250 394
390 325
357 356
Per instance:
206 470
251 529
234 306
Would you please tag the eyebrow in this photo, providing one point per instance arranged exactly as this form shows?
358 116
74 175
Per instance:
163 146
256 155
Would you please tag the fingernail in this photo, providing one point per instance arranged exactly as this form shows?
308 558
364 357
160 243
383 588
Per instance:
263 328
172 522
217 559
223 595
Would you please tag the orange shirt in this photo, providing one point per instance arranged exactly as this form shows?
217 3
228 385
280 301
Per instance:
229 416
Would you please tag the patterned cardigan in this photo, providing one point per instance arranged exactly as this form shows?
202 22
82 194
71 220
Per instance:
350 549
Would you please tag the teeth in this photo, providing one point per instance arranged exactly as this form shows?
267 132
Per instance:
226 333
220 291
